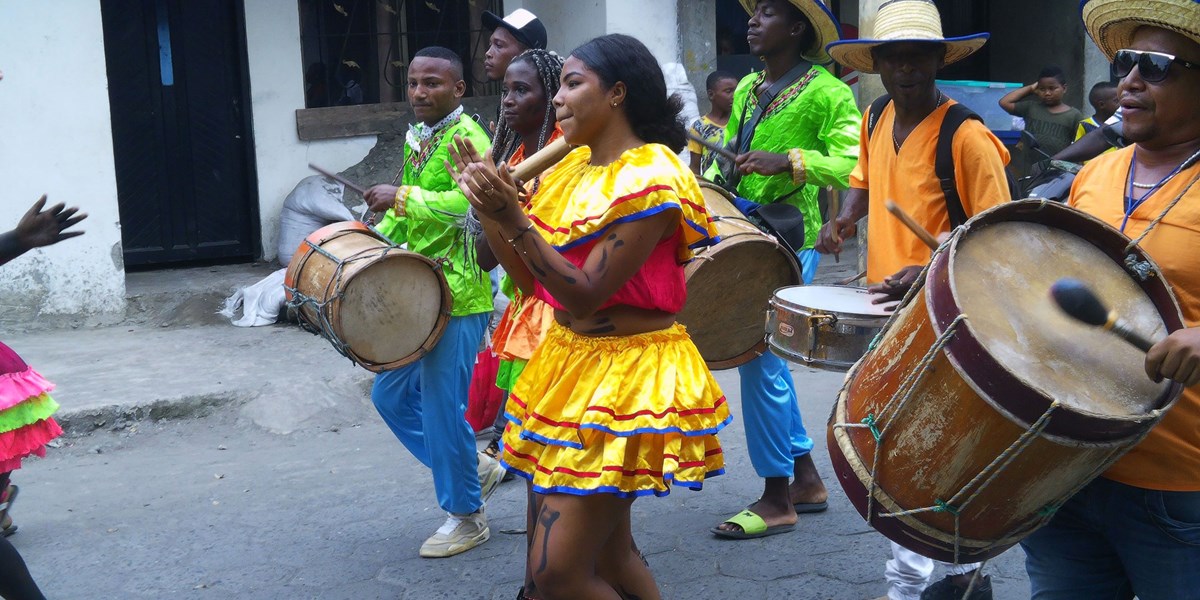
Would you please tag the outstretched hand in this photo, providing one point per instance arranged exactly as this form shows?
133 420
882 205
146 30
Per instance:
45 227
492 193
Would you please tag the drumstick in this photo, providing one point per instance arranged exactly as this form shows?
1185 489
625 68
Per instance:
723 152
541 160
338 178
912 225
833 214
850 280
1076 299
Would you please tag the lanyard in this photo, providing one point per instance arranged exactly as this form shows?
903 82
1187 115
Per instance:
1132 205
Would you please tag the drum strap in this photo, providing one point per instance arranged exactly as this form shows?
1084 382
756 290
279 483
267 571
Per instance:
747 125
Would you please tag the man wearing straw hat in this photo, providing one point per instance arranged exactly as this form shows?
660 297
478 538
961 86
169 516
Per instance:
794 128
1136 529
897 162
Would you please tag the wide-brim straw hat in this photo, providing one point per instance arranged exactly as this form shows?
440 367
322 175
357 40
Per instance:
824 24
904 21
1111 23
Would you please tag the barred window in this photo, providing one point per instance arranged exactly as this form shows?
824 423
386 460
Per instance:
357 51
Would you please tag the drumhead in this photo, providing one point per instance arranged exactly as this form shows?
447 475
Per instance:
836 299
390 307
1001 275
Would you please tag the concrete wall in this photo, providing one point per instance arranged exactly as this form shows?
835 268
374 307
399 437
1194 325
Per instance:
1096 68
56 138
568 23
651 21
276 92
1028 35
698 44
869 86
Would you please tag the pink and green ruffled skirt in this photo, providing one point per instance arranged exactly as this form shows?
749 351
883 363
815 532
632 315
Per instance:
26 424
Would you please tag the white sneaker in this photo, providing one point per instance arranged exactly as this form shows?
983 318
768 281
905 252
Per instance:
491 473
457 535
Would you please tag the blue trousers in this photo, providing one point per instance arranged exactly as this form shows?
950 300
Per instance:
775 434
425 404
1112 541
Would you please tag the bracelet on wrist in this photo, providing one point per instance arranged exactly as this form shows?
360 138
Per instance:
522 232
402 193
796 159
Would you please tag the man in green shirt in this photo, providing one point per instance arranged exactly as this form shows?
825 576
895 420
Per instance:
424 402
805 138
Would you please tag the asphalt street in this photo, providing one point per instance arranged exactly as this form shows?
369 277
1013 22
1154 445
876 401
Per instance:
209 461
218 507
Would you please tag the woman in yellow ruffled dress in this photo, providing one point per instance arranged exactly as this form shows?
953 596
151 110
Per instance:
616 402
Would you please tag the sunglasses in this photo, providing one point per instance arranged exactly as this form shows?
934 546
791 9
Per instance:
1152 66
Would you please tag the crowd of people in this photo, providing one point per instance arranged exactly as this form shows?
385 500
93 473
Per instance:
608 399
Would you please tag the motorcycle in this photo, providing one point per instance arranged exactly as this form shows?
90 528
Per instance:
1050 179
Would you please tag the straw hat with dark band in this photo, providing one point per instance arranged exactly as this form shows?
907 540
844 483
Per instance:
825 25
904 21
1111 23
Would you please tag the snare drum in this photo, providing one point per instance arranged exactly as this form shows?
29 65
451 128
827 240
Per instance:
827 327
983 408
730 283
379 305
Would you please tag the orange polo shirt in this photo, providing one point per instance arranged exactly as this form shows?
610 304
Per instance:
908 178
1169 458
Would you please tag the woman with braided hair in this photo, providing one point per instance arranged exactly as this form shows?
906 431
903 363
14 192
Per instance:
527 123
526 106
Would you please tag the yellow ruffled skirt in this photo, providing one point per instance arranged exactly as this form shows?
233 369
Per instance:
628 415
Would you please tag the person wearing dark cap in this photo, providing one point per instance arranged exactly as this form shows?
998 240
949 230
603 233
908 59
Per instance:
521 30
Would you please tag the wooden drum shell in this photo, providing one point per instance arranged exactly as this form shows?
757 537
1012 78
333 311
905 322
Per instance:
380 305
730 285
966 412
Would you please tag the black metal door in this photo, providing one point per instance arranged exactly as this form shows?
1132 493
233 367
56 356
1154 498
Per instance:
177 83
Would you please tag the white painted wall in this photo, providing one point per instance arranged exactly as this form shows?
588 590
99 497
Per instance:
569 23
56 138
653 22
276 92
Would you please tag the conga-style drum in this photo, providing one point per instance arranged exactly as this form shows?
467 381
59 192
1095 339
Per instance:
826 327
379 305
982 407
730 283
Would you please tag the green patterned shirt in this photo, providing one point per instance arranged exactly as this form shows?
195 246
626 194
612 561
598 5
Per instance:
436 209
817 114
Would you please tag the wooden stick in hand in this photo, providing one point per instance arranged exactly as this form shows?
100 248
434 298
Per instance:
834 209
541 160
338 178
912 225
718 150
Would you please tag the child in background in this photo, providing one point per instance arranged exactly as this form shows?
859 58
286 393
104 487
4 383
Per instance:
711 127
1103 99
1051 121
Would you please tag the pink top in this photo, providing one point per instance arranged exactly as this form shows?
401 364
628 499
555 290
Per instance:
658 285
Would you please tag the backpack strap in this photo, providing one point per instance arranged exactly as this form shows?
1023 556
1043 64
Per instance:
944 161
875 111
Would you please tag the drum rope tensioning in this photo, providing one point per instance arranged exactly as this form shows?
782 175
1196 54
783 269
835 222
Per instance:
957 435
